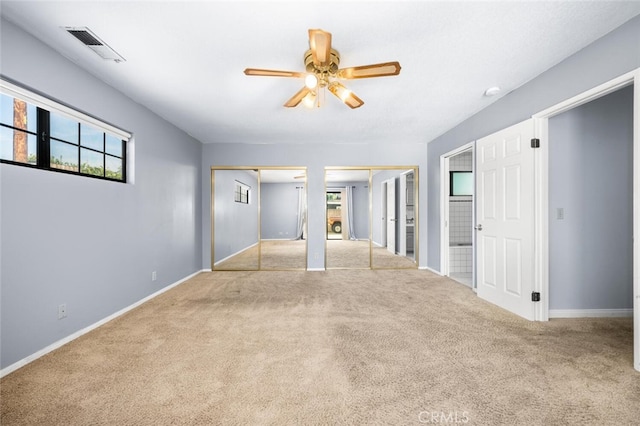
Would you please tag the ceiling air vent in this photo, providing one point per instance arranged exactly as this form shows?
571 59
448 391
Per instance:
92 41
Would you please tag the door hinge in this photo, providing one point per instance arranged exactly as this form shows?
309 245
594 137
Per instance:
535 296
535 143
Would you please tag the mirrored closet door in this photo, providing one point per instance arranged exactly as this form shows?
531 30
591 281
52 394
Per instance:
235 219
394 217
283 219
258 218
348 218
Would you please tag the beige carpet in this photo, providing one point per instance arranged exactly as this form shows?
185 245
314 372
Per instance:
355 254
338 347
271 255
283 254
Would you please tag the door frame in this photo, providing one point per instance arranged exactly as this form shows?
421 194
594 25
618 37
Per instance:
541 166
444 211
402 209
392 227
383 212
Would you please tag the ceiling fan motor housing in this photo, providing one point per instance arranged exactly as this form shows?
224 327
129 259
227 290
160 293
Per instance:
331 69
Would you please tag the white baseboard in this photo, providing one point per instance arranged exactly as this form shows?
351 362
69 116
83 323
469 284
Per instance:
235 254
590 313
16 365
426 268
315 269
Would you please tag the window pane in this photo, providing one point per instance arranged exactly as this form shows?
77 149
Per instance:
64 156
91 162
114 167
26 153
114 145
91 137
63 128
7 114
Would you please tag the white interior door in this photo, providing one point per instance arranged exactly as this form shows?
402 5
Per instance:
391 215
505 218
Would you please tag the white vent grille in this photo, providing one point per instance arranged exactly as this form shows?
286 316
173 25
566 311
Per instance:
93 42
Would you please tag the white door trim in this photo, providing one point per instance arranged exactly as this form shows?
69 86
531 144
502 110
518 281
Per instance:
541 282
402 209
444 206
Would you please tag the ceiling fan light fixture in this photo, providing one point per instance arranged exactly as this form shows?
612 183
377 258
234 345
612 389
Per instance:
322 70
311 81
340 91
309 100
345 95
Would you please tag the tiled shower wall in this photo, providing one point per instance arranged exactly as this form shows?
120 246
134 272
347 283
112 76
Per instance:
460 260
460 220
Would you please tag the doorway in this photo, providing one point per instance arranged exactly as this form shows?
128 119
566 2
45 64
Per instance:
334 214
591 208
543 210
457 215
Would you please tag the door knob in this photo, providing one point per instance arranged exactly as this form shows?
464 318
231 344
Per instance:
478 228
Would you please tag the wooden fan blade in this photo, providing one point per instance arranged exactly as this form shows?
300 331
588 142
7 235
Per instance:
345 95
367 71
297 98
273 73
320 45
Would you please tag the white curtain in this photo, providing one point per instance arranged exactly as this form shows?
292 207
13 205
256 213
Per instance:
349 203
302 213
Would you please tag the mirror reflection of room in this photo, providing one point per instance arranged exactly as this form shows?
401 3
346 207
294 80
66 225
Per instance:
235 224
283 213
259 219
394 213
334 214
347 216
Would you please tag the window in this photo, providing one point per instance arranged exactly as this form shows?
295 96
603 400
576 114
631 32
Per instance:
18 133
461 183
241 193
41 133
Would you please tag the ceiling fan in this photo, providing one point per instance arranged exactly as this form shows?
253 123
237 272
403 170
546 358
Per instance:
321 62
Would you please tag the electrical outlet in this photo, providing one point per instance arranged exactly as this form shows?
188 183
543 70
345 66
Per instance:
62 311
560 213
154 276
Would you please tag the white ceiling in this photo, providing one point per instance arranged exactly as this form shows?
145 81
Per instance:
185 59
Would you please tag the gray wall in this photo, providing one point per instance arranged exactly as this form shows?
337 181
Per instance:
236 223
279 210
316 157
611 56
591 175
89 243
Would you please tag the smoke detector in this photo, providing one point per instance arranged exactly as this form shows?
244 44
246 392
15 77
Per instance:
93 42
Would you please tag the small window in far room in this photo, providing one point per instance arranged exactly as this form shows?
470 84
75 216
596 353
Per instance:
241 193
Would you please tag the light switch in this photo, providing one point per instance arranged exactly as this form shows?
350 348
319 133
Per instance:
560 213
